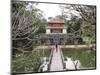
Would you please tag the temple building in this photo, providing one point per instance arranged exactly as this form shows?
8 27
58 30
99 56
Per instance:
56 26
56 34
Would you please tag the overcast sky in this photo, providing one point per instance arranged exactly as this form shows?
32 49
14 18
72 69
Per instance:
49 10
52 10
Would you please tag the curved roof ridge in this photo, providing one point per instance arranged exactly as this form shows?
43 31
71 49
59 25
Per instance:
56 20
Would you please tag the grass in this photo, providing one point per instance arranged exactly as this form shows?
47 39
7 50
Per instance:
29 62
45 52
86 57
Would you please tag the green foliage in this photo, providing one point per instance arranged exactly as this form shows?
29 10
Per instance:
74 24
42 28
26 64
29 62
27 23
82 20
16 6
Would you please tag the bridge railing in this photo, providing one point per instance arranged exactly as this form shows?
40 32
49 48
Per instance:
62 57
50 59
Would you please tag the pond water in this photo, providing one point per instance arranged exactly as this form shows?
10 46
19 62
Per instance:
86 57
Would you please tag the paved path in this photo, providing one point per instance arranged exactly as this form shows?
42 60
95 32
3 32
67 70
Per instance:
56 63
65 46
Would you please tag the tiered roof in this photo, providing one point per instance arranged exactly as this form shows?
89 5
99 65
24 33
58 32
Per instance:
56 20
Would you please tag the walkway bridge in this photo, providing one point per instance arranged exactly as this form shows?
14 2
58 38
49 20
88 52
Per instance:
56 60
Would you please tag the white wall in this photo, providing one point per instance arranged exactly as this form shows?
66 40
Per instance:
64 31
48 31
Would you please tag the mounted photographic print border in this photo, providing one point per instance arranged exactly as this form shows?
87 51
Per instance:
52 37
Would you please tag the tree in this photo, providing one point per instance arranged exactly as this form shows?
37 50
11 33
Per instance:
27 25
88 14
74 25
26 22
82 17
